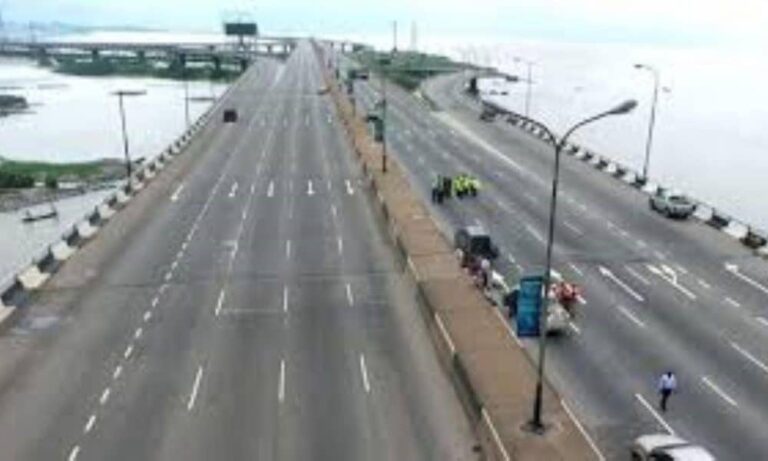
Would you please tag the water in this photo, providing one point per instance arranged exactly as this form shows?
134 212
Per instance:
77 119
710 139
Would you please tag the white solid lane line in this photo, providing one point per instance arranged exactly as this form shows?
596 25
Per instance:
755 361
719 391
610 275
655 414
575 269
73 454
128 351
734 269
573 228
281 383
350 298
636 275
105 396
583 431
195 389
535 234
364 372
732 302
630 316
177 192
219 303
89 425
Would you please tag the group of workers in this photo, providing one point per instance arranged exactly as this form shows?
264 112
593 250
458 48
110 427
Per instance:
462 185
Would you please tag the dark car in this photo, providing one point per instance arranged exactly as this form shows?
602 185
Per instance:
474 241
230 116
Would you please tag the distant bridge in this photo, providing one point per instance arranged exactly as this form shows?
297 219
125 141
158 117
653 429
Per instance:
216 53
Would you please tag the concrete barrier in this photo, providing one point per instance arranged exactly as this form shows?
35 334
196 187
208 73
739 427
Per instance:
32 278
86 230
718 221
105 212
754 239
136 185
61 251
122 198
736 229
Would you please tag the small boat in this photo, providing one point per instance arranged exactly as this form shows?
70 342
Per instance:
29 217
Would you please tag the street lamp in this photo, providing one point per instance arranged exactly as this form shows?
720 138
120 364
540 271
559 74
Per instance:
120 95
536 425
652 121
528 90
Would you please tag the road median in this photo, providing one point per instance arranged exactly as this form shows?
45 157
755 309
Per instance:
492 374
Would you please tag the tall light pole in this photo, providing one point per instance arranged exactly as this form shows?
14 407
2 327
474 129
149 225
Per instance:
186 97
120 95
536 425
652 121
530 81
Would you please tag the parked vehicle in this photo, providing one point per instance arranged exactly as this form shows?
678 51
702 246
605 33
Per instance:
665 447
672 204
475 243
230 116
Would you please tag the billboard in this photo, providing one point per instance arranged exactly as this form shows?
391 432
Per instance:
241 29
529 306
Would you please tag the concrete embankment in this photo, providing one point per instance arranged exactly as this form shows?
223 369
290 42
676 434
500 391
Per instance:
491 372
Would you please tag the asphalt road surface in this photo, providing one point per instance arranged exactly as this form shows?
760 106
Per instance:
658 294
258 313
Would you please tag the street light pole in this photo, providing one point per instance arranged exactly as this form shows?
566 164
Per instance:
536 425
186 98
529 79
120 94
125 136
652 121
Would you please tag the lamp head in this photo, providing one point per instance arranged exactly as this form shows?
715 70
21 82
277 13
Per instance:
624 108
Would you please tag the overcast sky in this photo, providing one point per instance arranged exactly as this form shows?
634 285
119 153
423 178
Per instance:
637 21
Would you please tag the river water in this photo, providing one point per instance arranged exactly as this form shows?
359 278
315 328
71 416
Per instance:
710 139
76 119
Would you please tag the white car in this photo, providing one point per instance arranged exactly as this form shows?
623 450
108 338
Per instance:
665 447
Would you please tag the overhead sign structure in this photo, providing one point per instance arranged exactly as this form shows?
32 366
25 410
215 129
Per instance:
241 29
529 306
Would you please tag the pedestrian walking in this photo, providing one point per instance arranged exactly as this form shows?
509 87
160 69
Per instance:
667 385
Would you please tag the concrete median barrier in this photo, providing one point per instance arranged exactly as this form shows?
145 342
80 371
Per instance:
85 230
105 212
122 197
32 278
61 251
492 374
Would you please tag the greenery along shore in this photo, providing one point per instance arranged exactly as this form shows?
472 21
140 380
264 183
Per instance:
21 175
406 68
101 66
